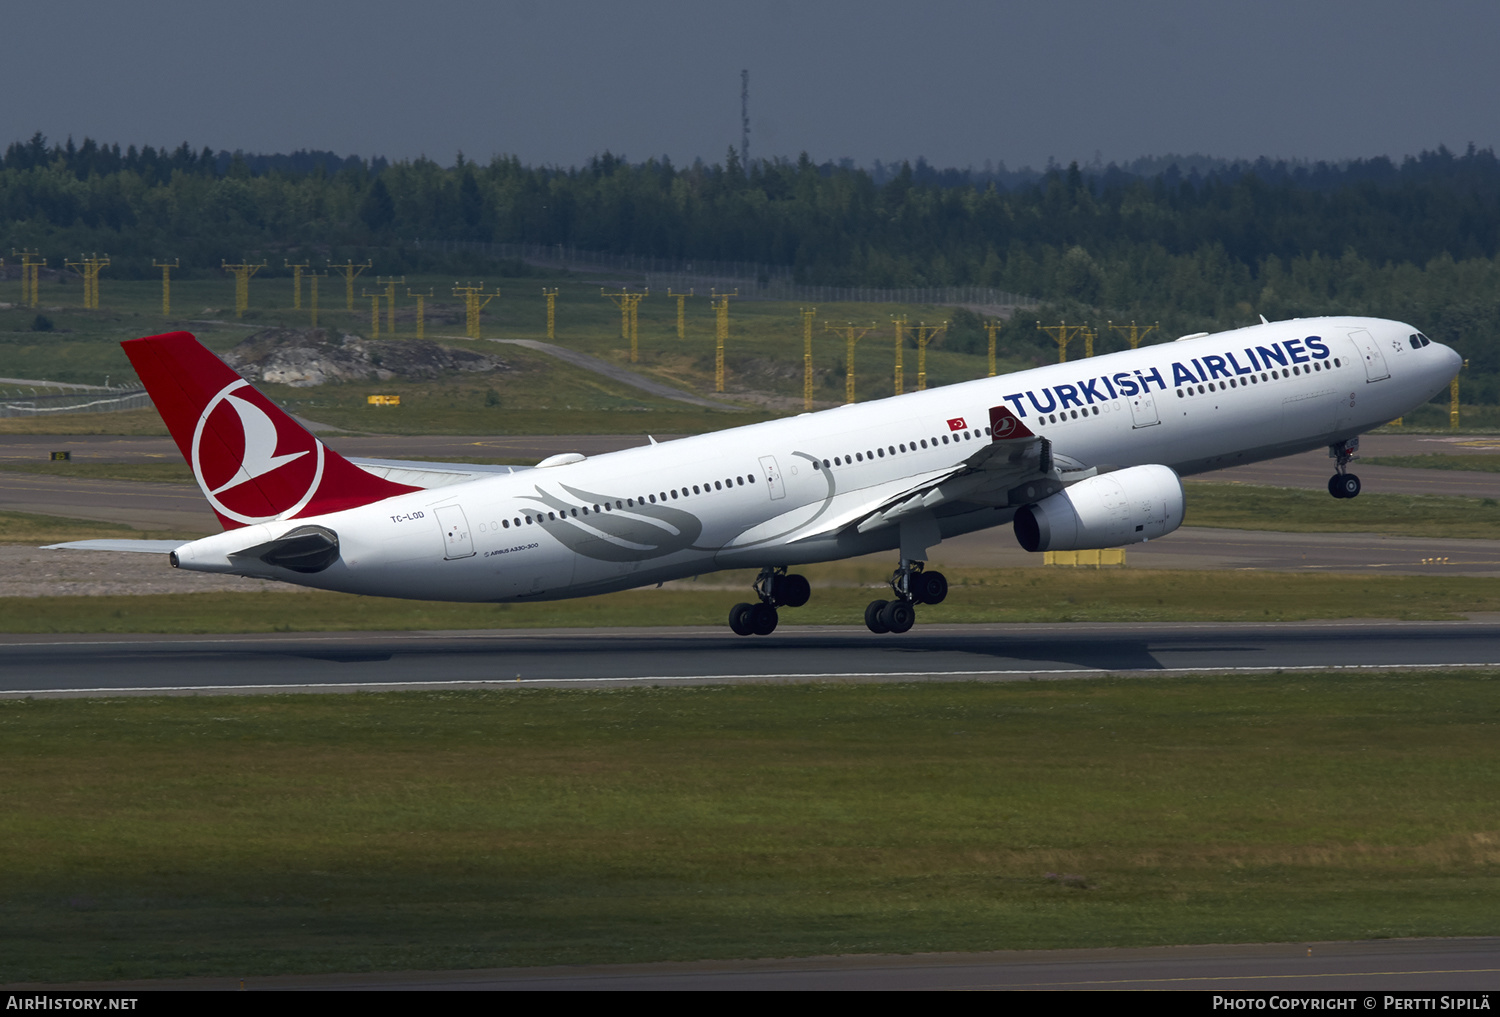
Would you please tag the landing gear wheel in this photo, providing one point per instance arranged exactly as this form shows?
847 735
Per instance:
761 619
929 587
1344 485
739 623
898 616
791 591
875 616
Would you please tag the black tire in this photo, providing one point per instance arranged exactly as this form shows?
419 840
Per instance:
875 615
930 588
1345 485
792 590
899 616
762 619
738 623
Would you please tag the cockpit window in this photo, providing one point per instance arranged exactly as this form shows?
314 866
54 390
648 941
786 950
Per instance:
1419 340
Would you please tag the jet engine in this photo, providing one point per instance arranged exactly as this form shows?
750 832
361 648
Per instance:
1111 510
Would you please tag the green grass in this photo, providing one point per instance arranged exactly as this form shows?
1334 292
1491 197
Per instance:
1478 462
1297 510
164 837
839 598
33 530
543 396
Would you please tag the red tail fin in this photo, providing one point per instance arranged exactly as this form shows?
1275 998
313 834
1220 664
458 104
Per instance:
253 462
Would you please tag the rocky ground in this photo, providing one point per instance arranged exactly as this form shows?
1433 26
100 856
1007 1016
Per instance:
304 357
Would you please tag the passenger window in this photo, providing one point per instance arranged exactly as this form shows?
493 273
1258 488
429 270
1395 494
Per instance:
741 480
924 442
859 456
751 478
882 452
718 486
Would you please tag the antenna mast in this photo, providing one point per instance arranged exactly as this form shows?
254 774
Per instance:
745 119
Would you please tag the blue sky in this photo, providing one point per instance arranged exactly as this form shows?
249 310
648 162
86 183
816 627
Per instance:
956 82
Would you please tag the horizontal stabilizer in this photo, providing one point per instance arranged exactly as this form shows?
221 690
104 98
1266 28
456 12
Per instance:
420 473
141 546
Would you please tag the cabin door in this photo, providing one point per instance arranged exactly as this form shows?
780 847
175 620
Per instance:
1375 369
1143 409
458 542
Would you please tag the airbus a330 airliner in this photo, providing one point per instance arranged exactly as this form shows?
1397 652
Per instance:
1078 455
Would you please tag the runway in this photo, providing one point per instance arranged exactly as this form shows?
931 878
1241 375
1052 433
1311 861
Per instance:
44 665
1467 965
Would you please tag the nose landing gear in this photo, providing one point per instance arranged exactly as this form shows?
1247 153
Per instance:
776 589
912 586
1343 484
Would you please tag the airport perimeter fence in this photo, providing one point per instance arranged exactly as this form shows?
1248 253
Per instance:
754 281
13 404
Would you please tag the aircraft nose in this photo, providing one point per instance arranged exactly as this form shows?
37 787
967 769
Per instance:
1455 362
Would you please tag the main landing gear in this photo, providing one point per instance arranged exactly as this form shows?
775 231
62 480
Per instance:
1343 484
911 586
776 589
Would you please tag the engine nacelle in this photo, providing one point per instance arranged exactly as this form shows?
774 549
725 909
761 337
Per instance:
1112 510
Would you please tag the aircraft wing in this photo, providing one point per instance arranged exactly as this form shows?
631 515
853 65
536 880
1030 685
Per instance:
419 473
1014 468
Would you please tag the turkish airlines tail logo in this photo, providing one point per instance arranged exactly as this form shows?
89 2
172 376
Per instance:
253 462
1005 425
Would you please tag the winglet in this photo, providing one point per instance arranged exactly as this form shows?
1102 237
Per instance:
254 462
1006 426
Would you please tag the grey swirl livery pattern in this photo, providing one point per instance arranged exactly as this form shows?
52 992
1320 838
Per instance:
638 533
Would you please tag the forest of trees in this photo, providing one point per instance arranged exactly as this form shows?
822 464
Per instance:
1209 248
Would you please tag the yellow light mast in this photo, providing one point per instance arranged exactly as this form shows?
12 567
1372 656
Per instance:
630 330
242 273
473 304
374 312
925 334
32 263
681 311
313 278
350 271
551 296
720 303
421 312
807 370
296 282
166 284
900 323
992 327
852 334
88 266
1135 335
390 284
1062 335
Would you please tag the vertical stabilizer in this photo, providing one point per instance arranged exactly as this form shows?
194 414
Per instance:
254 463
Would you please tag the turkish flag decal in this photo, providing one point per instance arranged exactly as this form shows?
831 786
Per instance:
957 424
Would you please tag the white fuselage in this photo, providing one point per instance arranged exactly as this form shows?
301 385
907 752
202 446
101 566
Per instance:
752 496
